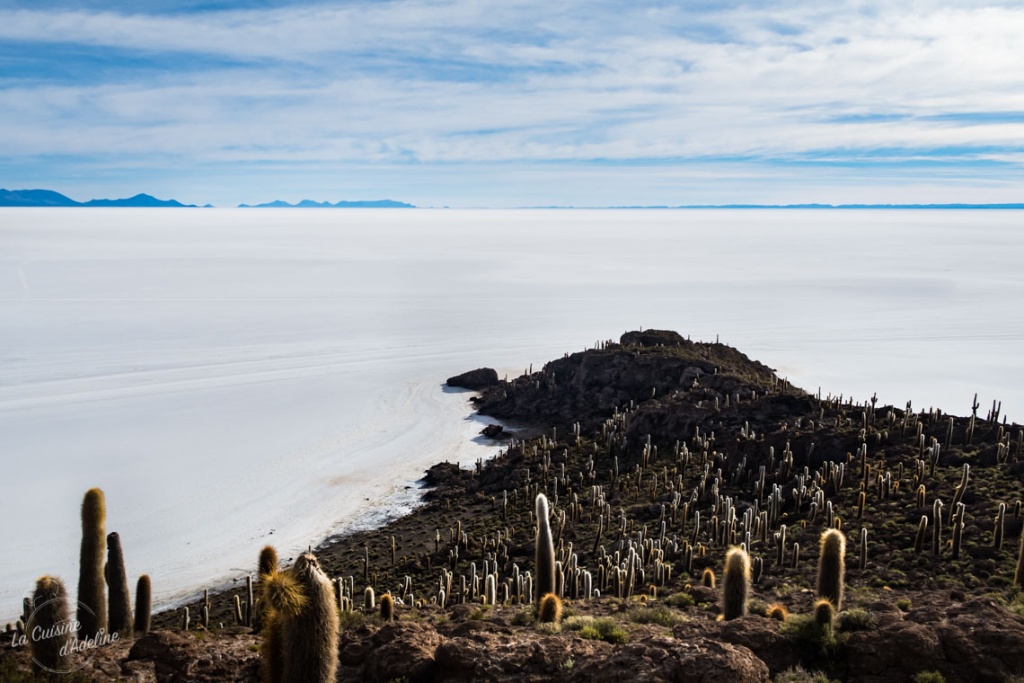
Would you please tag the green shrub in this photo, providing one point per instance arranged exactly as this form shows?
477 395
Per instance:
758 607
479 614
349 620
807 636
578 623
904 604
929 677
661 616
856 620
680 600
798 674
549 627
523 617
605 629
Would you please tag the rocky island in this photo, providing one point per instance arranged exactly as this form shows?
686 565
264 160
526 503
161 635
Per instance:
866 543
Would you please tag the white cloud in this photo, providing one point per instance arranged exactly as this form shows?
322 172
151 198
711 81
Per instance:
474 82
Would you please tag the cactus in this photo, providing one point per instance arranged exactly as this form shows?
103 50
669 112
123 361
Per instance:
250 601
545 551
387 608
119 619
824 613
831 567
301 643
707 578
550 609
369 600
735 584
922 532
49 627
92 609
863 547
756 569
958 529
936 527
268 561
490 591
997 529
778 612
255 611
1018 576
143 605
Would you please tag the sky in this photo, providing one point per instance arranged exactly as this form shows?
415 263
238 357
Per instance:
515 102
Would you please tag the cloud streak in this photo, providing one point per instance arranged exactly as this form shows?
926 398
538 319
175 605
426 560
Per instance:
466 82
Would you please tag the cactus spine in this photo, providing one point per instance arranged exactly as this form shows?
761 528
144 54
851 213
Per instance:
831 567
119 601
735 584
545 551
143 605
49 626
92 610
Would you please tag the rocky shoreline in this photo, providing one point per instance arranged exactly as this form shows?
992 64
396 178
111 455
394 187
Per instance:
679 450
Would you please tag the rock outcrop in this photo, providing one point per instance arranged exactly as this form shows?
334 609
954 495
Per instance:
478 379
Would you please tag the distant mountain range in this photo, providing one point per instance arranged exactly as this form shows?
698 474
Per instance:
310 204
51 198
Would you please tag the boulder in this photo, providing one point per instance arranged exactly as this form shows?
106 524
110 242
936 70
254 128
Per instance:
478 379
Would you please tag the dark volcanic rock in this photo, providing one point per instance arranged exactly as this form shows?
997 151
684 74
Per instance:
443 473
589 386
481 378
492 431
653 338
397 652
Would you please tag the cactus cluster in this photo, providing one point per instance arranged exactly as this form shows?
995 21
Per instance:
301 640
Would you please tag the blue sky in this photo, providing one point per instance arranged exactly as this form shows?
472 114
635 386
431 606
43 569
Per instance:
515 103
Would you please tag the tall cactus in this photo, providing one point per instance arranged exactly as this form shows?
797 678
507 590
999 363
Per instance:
92 604
832 567
265 568
735 584
119 601
143 605
302 640
47 628
311 637
1018 576
545 552
387 608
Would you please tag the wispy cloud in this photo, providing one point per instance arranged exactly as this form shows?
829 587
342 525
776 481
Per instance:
412 85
